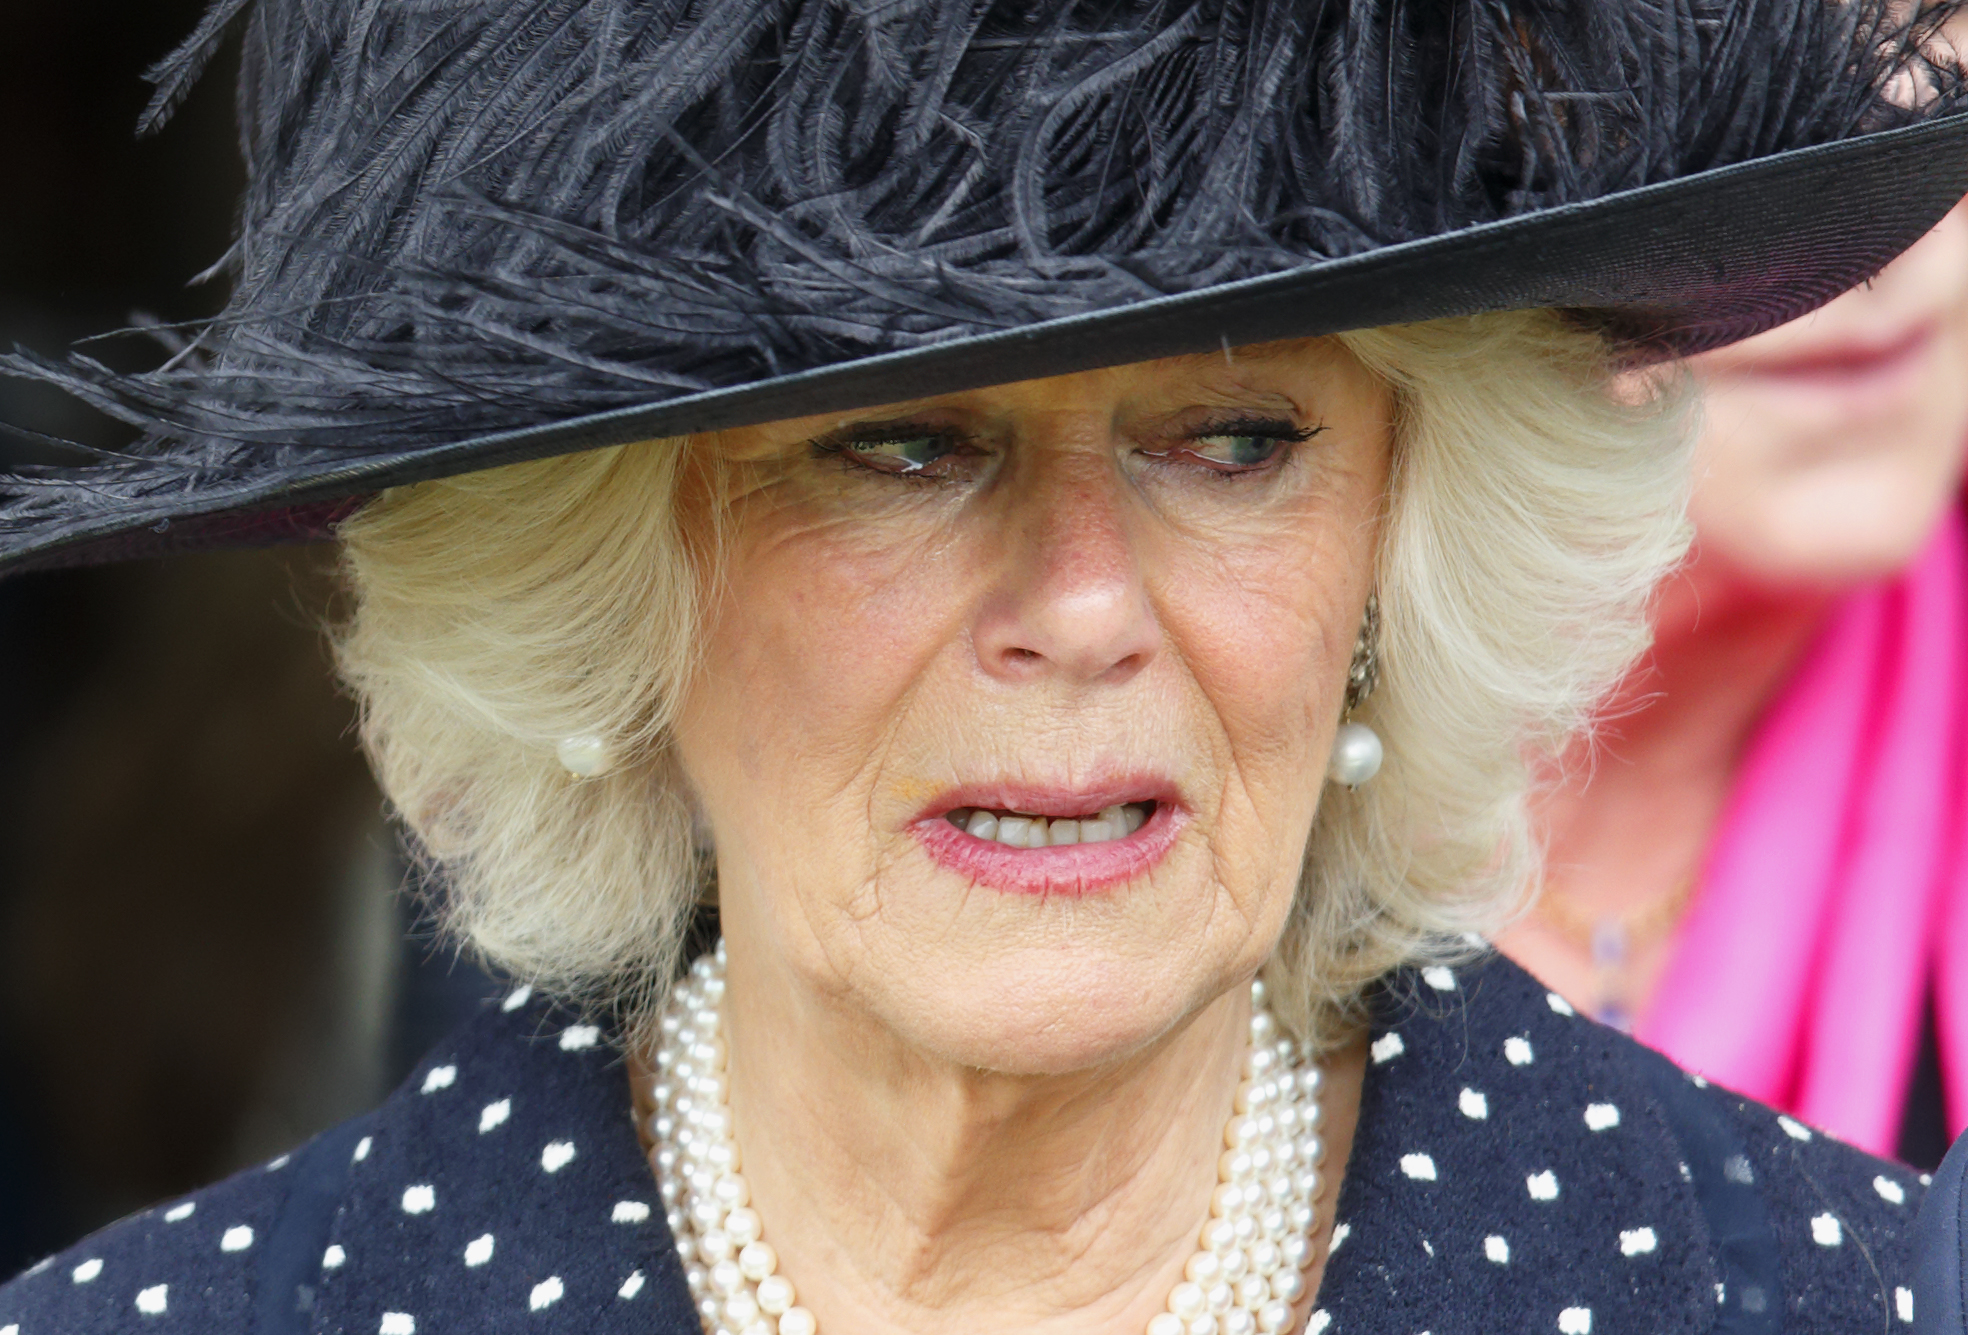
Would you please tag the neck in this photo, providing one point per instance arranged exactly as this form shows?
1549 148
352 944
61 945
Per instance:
1630 823
907 1195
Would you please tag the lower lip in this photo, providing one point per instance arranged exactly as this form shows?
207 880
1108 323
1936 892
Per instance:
1069 869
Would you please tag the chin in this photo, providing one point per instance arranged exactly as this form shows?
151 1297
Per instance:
1050 1012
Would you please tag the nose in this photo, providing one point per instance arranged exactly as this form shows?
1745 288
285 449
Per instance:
1069 603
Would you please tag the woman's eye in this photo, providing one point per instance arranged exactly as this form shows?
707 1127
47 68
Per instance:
1237 451
906 456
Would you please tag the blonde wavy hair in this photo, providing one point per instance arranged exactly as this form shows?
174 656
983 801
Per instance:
1534 501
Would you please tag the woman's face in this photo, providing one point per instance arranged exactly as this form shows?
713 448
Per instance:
1833 443
1132 592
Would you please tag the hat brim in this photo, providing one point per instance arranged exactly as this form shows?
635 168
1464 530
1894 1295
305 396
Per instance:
1668 269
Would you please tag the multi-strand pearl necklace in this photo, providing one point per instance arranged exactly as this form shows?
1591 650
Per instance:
1245 1277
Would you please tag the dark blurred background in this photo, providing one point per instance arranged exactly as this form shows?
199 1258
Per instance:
204 957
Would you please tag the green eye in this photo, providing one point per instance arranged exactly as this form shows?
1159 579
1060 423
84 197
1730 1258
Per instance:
1238 451
908 454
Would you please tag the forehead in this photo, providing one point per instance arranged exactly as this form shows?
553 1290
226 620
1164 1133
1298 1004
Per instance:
1294 376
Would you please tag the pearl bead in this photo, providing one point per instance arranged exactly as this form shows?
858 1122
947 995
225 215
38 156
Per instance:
726 1277
715 1246
1237 1321
1263 1029
758 1326
1356 755
710 1309
1300 1216
1288 1286
1246 1229
798 1321
1203 1268
776 1294
1234 1166
1203 1325
1265 1257
1298 1252
1167 1323
743 1225
732 1191
585 756
1274 1317
1259 992
1234 1265
1219 1236
1226 1200
1186 1300
1252 1290
741 1309
757 1260
1274 1223
1219 1297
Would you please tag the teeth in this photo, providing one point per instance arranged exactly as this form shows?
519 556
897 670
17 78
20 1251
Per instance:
1022 830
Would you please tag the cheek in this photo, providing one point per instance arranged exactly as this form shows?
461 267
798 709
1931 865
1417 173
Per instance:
822 633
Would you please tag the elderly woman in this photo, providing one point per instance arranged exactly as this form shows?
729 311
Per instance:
965 595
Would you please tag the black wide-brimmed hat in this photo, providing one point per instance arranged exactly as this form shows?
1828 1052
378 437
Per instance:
483 231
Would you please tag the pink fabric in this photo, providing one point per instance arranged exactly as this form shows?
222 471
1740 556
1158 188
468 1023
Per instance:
1836 890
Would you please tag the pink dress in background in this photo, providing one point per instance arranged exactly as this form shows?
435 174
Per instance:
1834 900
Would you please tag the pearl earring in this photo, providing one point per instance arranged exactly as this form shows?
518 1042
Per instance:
1357 752
585 755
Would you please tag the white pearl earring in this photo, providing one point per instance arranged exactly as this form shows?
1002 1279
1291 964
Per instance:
1356 755
585 755
1357 752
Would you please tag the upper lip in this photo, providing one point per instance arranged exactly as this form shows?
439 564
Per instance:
1053 801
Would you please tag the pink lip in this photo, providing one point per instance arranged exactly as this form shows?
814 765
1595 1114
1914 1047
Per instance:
1072 869
1861 367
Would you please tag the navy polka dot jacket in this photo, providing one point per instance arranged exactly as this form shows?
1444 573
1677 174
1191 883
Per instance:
1517 1168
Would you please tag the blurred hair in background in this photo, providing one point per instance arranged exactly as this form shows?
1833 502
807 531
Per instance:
203 957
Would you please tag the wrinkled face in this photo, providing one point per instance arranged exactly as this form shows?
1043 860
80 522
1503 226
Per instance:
1016 704
1834 443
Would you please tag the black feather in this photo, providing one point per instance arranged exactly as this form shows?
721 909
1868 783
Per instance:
468 215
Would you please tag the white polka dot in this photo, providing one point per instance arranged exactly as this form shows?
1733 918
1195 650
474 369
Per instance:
10 1330
397 1323
152 1301
1637 1241
1575 1321
1517 1051
1341 1232
1542 1186
1687 1174
1497 1248
479 1250
1793 1128
1926 1179
420 1199
1473 1104
557 1155
577 1037
1698 1081
1902 1305
629 1212
1419 1167
362 1149
1558 1004
440 1077
236 1239
546 1293
494 1115
1442 980
1387 1047
87 1271
1721 1294
1428 1246
332 1258
630 1286
1736 1169
275 1165
178 1213
1889 1190
1826 1231
516 998
1601 1116
1320 1320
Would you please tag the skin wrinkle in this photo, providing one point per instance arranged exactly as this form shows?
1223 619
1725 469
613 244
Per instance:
992 1106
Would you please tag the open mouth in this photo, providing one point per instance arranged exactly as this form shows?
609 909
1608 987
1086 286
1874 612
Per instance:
1023 829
